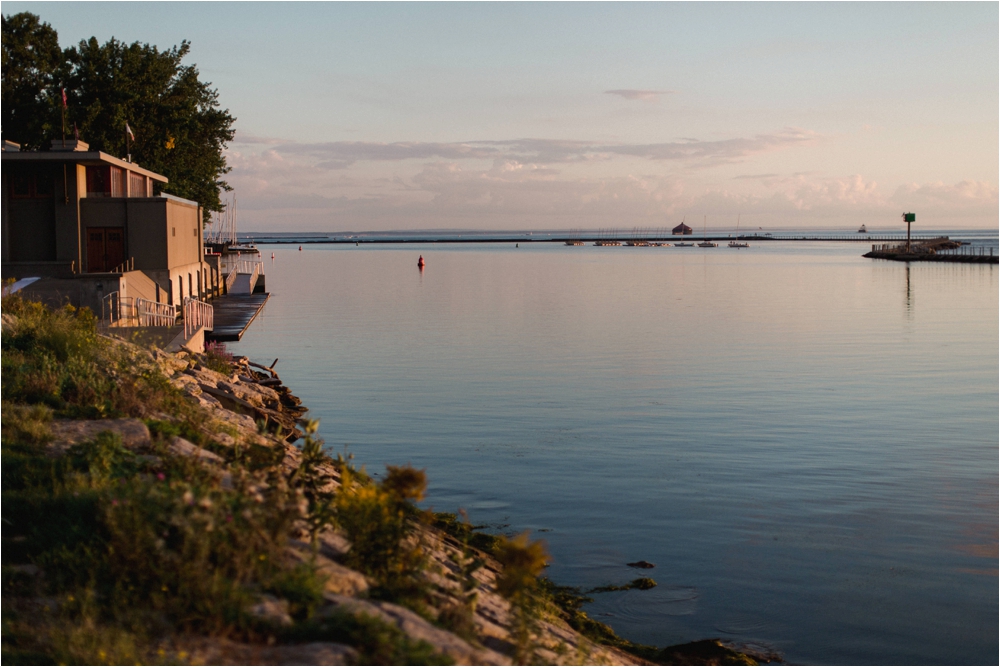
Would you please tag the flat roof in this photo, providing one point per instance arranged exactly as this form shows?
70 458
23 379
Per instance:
79 157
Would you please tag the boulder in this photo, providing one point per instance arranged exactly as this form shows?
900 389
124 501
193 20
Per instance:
69 432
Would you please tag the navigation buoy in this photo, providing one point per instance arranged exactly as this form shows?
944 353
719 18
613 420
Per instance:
272 255
420 262
300 248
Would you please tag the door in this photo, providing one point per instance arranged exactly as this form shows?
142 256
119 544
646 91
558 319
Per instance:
114 247
105 248
95 249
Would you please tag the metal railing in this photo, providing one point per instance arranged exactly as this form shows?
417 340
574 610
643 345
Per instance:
197 314
230 279
127 265
154 314
974 250
117 310
250 266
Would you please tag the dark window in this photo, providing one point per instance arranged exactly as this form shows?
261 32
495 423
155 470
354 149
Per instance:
31 183
21 185
99 181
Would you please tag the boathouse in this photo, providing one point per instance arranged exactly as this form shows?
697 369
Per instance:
90 224
681 229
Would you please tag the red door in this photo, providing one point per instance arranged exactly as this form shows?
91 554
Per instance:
114 248
95 249
105 248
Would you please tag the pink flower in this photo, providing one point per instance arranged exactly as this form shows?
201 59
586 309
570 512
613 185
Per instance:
114 502
160 476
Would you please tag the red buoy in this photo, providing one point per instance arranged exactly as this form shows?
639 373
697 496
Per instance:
420 262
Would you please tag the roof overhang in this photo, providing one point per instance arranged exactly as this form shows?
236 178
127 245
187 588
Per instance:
90 158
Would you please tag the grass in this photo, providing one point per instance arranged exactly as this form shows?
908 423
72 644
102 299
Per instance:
135 548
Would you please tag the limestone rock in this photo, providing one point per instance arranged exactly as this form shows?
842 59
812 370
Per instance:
417 628
340 580
272 609
69 432
217 651
182 447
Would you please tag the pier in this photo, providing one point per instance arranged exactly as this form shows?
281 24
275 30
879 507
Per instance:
934 250
233 314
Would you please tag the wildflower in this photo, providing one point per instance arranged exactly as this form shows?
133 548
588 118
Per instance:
229 518
160 476
188 498
114 502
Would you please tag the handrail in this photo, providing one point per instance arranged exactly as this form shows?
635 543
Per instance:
155 314
197 314
253 277
249 265
117 310
127 265
230 279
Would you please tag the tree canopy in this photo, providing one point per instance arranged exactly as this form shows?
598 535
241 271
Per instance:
180 130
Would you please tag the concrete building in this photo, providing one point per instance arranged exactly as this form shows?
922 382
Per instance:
91 224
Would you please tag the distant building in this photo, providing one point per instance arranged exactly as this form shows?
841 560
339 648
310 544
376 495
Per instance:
681 229
91 224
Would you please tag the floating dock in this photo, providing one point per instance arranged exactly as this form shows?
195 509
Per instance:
941 249
233 313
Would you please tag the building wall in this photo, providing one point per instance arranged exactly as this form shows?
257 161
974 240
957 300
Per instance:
183 233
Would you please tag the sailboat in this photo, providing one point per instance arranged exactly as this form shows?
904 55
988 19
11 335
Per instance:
736 243
706 243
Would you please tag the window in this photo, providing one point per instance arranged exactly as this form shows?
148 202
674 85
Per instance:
136 185
117 182
173 231
99 181
30 183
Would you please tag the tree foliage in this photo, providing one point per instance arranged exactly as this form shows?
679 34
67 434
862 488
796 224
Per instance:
180 130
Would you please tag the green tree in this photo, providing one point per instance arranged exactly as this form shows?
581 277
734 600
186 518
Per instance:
180 130
31 60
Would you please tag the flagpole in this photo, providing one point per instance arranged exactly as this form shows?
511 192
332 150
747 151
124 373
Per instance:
62 115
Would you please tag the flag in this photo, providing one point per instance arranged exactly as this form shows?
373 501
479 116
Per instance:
64 97
76 132
129 130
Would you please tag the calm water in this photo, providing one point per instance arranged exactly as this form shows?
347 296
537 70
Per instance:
805 442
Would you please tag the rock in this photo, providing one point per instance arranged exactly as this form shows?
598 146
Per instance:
415 627
645 565
218 651
182 447
9 323
340 580
333 545
69 432
273 610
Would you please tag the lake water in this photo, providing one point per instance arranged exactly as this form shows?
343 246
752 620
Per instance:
803 441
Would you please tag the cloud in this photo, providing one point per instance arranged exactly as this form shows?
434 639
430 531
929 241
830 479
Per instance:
338 155
644 95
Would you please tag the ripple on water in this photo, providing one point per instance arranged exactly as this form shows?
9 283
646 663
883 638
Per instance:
647 606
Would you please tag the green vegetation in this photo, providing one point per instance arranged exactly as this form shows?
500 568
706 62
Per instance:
122 549
116 554
180 131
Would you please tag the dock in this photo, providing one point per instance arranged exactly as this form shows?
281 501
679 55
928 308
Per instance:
941 249
233 313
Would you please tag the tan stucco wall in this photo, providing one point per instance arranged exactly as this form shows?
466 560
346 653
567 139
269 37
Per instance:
183 233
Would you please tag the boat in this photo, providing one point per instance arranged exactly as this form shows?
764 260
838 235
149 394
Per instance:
862 230
736 243
706 243
683 245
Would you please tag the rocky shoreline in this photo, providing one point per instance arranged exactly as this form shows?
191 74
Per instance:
237 437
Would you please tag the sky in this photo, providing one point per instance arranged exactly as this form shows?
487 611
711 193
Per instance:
517 116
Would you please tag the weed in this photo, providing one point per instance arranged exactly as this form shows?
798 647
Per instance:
377 520
216 358
459 617
317 484
523 561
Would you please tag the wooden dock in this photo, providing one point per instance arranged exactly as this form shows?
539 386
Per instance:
233 313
